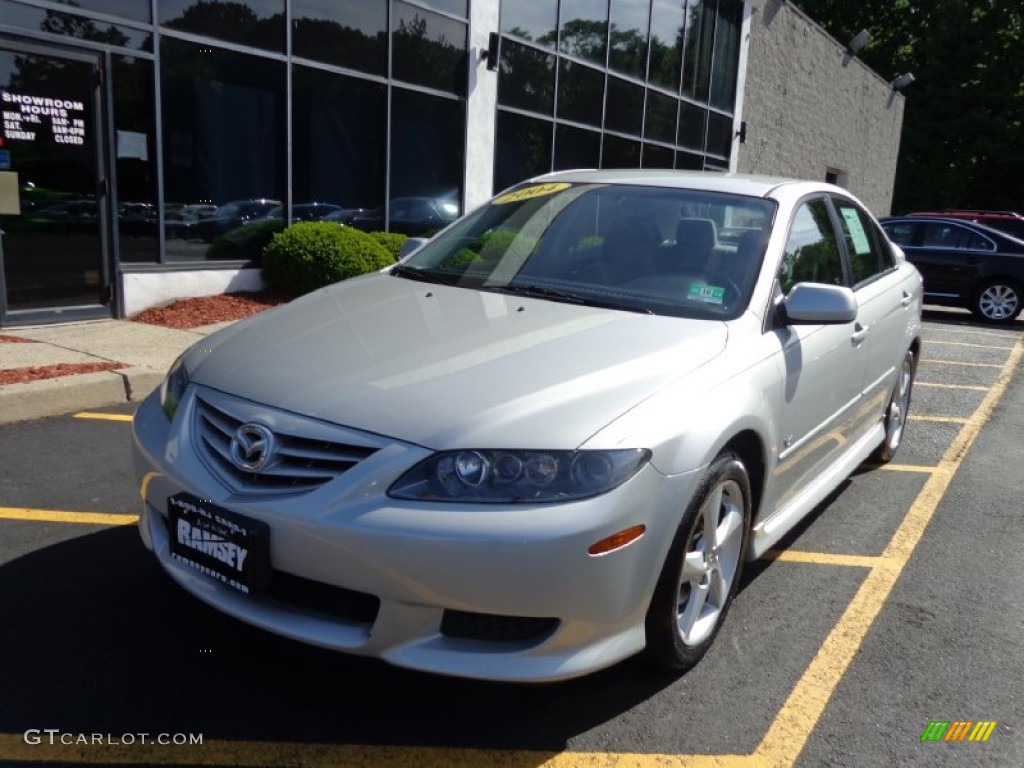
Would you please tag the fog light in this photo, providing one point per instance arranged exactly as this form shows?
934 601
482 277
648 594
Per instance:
617 540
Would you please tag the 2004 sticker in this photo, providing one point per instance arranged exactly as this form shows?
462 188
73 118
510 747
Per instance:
537 190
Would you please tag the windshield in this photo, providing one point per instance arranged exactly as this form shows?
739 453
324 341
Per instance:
658 250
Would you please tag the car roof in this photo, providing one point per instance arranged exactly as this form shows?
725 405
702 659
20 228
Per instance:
708 181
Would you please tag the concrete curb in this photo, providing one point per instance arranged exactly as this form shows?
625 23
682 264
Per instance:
52 397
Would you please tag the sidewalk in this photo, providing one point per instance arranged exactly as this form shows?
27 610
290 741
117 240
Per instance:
143 353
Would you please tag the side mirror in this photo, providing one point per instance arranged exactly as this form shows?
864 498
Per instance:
411 244
818 304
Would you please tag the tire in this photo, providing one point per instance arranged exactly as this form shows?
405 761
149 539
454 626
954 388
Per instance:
895 416
694 591
997 301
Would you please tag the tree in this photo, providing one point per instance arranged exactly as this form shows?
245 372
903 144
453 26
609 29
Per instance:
961 144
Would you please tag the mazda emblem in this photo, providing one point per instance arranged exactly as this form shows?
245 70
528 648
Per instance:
251 447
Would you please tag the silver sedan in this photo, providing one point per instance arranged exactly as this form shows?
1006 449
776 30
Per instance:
550 437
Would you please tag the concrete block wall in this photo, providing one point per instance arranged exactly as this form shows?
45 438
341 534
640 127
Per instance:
811 107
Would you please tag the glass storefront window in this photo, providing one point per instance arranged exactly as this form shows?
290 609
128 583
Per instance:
628 37
580 93
428 48
527 78
660 118
625 108
523 149
135 152
668 19
257 23
455 7
692 121
656 156
338 145
584 29
427 158
126 9
688 161
725 62
79 27
535 20
700 25
620 153
356 39
719 134
224 148
576 148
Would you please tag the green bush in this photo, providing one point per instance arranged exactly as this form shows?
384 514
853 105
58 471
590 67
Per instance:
311 254
244 242
391 240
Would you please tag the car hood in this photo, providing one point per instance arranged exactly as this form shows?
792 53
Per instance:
447 367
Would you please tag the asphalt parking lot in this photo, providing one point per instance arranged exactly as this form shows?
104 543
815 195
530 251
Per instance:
898 604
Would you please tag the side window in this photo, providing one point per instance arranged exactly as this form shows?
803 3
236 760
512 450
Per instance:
939 235
901 233
812 251
975 242
870 255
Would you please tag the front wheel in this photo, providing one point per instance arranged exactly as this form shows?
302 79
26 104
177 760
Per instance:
997 301
702 572
896 411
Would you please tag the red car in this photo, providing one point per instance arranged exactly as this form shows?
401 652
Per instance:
1005 221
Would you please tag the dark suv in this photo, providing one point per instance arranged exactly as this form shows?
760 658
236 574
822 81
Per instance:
1005 221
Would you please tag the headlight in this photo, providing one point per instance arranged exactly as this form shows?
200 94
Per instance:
173 388
503 477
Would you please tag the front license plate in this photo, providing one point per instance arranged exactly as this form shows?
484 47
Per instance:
224 545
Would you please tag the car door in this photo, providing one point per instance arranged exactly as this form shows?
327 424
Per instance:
883 303
824 365
949 257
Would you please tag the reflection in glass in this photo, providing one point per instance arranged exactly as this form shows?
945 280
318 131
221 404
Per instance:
620 153
719 134
628 37
700 25
689 161
78 27
527 78
584 27
357 39
427 157
428 49
726 55
223 148
535 20
656 156
691 126
523 149
127 9
455 7
660 117
338 143
135 151
625 109
668 18
576 148
259 23
580 93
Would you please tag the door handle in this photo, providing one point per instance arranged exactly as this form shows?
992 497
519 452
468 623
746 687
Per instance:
860 332
907 298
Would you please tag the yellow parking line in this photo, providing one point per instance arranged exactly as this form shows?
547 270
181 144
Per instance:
938 419
825 558
959 362
972 387
930 342
799 716
55 516
105 416
923 468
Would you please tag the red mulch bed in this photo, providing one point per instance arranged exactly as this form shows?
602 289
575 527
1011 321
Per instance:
14 340
204 310
39 372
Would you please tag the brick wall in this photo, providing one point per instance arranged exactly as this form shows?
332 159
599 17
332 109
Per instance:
810 106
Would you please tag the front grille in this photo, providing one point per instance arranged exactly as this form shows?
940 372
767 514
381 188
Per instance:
299 464
492 628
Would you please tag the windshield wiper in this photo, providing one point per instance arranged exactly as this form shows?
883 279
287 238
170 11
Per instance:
400 270
545 292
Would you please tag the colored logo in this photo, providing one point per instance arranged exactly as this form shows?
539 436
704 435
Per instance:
958 730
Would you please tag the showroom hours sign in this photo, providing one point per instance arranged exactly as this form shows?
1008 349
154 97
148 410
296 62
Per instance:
41 118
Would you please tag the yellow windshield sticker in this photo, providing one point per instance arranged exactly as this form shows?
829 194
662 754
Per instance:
537 190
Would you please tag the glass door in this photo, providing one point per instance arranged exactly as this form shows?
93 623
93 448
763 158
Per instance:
53 214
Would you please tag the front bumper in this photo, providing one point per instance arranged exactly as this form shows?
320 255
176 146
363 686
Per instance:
434 573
